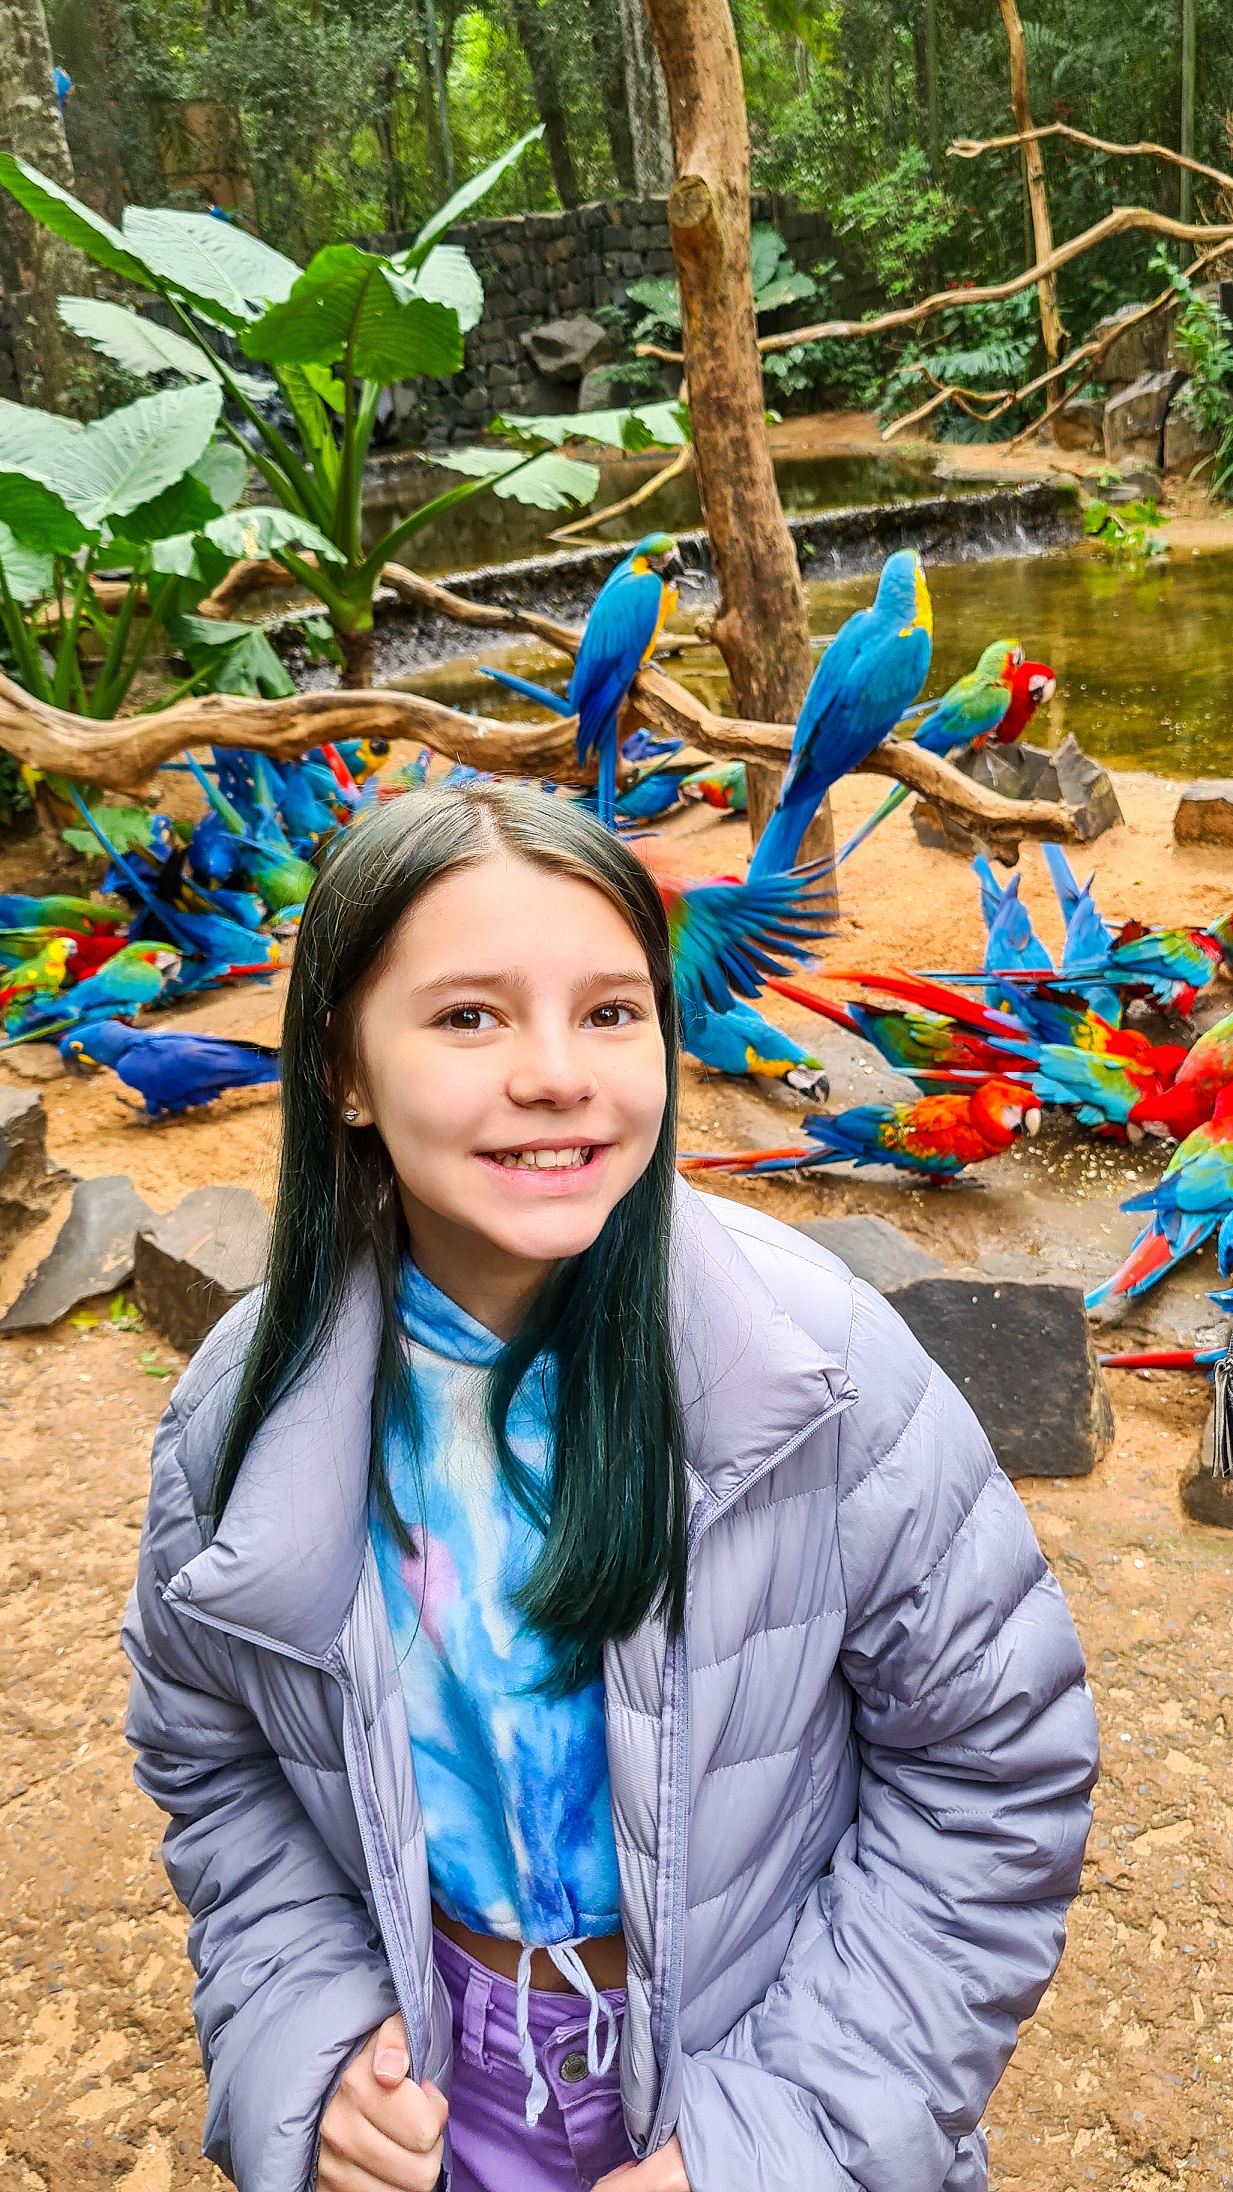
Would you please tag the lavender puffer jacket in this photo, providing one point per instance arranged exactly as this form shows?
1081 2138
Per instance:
850 1799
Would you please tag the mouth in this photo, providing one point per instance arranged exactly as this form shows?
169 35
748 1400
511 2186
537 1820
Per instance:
559 1165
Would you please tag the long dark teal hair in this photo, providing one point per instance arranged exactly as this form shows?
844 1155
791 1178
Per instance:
613 1514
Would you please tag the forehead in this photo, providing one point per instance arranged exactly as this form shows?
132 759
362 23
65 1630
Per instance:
506 911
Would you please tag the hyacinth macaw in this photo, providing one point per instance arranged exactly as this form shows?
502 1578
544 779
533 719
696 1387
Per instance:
965 716
224 947
657 791
728 937
721 783
739 1041
78 915
871 672
264 856
628 615
1171 966
135 977
936 1137
170 1072
1187 1205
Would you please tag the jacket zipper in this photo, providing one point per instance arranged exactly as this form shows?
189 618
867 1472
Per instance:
377 1853
678 1768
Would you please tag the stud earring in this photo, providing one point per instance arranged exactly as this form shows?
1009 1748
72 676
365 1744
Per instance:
351 1114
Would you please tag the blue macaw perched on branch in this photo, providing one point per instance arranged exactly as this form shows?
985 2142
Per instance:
869 675
966 715
170 1072
629 613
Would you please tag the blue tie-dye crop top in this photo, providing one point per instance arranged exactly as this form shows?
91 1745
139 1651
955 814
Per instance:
513 1784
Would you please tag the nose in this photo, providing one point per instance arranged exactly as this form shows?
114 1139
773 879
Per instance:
551 1069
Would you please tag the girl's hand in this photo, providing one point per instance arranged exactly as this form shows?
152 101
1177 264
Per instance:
380 2133
662 2172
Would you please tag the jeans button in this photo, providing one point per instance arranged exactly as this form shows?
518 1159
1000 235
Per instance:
573 2068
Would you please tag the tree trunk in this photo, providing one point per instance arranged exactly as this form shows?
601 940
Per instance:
547 98
1186 196
648 103
610 81
1052 331
39 267
762 629
440 95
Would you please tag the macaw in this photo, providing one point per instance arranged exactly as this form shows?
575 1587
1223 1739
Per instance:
872 670
627 617
727 937
1117 1076
1189 1358
969 713
1032 687
392 783
75 914
927 1046
1189 1203
170 1072
721 783
363 756
1171 966
45 975
739 1041
937 1136
225 947
657 791
264 857
137 976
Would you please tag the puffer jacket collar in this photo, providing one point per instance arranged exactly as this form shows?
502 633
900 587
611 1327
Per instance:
285 1564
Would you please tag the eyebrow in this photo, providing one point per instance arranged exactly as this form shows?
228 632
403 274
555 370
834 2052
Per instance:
508 978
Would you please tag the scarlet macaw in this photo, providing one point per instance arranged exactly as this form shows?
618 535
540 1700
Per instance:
1193 1198
938 1136
870 673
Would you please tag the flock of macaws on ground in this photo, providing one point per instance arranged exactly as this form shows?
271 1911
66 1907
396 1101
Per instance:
188 910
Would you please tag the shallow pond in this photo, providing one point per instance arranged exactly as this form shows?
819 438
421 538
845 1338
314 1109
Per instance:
491 531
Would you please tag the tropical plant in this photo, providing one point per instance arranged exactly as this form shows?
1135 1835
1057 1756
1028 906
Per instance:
149 490
332 335
971 359
1203 341
776 282
901 218
1130 533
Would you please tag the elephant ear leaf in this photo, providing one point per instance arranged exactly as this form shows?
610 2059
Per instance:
143 348
467 195
549 482
225 274
207 491
350 304
131 456
73 222
28 573
448 277
37 473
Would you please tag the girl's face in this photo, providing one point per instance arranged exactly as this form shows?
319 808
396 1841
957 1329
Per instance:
511 1060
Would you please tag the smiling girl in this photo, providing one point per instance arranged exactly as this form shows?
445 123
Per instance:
616 1724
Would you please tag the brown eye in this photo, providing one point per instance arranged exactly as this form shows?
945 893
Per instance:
468 1020
610 1016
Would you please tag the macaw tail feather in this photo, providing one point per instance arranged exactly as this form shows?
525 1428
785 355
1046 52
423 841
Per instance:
1177 1358
1156 1252
812 1003
1062 877
752 1161
892 800
556 701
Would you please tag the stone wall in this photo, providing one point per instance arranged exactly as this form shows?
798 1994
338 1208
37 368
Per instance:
538 267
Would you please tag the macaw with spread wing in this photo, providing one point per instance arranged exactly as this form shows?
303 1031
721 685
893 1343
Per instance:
1169 965
728 937
1194 1197
964 717
869 675
936 1137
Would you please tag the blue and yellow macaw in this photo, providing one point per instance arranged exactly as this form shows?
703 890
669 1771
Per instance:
740 1041
869 676
629 613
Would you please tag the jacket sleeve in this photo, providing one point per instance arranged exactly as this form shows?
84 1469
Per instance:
291 1975
941 1918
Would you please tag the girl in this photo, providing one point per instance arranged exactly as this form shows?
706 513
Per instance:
616 1724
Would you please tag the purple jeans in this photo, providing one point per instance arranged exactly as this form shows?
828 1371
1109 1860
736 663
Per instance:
580 2135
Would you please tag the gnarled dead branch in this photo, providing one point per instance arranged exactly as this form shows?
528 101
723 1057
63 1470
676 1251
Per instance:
970 148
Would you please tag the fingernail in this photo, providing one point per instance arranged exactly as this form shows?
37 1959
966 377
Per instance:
391 2062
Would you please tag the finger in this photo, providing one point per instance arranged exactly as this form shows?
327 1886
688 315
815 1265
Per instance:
361 2155
413 2118
420 2173
391 2057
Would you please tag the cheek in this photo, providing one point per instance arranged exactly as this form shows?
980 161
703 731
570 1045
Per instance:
426 1097
637 1087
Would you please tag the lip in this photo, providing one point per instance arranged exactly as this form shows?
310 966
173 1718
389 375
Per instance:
562 1180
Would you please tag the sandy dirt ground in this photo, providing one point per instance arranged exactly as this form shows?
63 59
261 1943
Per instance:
1122 2080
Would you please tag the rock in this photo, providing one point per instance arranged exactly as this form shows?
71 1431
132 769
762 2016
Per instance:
1205 1497
29 1181
93 1253
566 350
36 1062
1025 772
1137 481
1081 425
872 1249
1020 1353
596 391
1187 449
1142 349
192 1266
1205 813
1134 420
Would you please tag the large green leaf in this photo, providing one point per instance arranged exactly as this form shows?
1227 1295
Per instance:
129 457
240 657
223 272
66 217
448 277
640 426
36 462
661 300
263 531
549 482
351 298
467 195
142 347
766 251
793 289
207 490
224 470
28 575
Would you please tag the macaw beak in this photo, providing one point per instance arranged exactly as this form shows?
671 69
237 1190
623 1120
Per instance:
77 1063
1031 1122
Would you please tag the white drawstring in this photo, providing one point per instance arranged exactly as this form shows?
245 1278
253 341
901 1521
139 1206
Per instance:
569 1963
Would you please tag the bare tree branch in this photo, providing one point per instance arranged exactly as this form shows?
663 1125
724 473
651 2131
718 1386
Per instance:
681 462
969 148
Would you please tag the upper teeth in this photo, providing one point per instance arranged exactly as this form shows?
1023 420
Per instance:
543 1160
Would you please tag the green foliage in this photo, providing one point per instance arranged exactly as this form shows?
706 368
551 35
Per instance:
1128 533
1203 341
776 282
15 796
902 218
981 352
818 371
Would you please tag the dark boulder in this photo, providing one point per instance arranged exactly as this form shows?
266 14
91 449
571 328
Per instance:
1205 813
1207 1497
1025 772
29 1181
92 1254
193 1265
